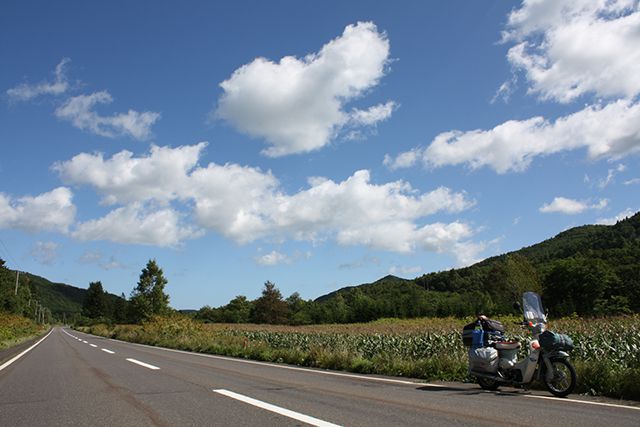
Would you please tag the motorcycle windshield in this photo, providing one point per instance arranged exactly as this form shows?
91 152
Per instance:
532 308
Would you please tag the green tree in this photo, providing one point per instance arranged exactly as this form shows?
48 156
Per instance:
270 307
237 311
95 301
148 298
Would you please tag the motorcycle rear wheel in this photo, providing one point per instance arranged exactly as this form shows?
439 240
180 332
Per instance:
564 378
488 383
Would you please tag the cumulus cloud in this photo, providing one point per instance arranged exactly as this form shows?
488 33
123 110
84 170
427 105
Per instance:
138 224
161 176
570 206
52 211
570 48
297 104
79 110
273 258
45 252
610 132
246 204
627 213
27 91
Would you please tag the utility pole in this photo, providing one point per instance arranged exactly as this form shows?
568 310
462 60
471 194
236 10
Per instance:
17 276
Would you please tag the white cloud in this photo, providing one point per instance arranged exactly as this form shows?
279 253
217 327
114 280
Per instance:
611 132
138 224
627 213
97 258
611 173
45 252
273 258
297 104
26 91
246 204
52 211
632 181
162 175
571 206
405 271
570 48
79 110
373 115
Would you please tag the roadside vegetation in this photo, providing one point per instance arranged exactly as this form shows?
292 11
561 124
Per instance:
15 329
606 354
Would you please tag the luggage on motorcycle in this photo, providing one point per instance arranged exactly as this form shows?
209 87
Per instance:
493 332
492 325
468 334
552 341
507 354
484 359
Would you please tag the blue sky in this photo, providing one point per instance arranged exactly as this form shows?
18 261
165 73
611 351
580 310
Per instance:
313 144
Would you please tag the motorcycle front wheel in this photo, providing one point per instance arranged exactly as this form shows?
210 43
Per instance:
564 378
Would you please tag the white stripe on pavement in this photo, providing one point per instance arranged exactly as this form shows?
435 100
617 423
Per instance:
278 410
146 365
588 402
10 361
93 345
108 351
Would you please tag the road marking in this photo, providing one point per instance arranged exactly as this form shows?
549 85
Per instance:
361 377
292 368
9 362
108 351
146 365
586 402
85 342
278 410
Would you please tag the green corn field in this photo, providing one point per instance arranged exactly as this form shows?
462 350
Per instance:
606 352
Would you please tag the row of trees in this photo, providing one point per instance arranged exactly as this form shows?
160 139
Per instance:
16 296
147 299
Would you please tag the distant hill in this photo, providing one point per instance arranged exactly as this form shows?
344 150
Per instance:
62 299
592 269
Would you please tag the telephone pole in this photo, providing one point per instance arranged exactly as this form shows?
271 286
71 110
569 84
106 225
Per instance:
17 277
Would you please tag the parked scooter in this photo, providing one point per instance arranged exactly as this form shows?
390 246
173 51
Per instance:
493 360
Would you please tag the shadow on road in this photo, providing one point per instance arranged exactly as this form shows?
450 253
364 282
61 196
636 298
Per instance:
471 391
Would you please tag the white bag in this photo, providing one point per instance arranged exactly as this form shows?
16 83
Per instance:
484 359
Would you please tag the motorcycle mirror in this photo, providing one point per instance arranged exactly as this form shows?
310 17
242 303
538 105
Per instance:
517 307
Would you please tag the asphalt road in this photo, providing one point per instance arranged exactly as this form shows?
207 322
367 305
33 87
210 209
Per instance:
75 379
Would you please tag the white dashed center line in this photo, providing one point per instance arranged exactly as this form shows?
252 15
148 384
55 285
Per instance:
278 410
146 365
108 351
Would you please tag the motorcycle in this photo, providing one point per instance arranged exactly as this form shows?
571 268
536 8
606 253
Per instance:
493 361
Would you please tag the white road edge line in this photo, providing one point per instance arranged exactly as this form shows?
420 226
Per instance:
146 365
364 377
93 345
278 410
9 362
107 351
611 405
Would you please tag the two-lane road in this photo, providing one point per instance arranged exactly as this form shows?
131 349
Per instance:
72 379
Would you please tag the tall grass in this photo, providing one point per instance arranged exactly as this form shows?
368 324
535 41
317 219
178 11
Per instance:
15 329
606 354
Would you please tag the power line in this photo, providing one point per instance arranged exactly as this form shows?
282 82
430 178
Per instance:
11 258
